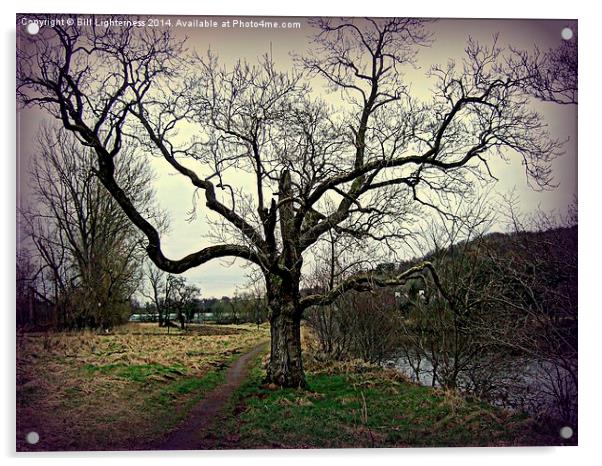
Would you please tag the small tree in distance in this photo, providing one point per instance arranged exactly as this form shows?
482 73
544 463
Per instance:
365 168
168 294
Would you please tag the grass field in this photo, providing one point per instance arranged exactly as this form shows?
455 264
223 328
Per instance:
124 390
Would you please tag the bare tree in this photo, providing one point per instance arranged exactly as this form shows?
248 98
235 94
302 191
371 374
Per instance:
362 169
255 294
170 293
507 331
447 338
86 246
337 325
27 277
159 289
540 293
182 298
551 75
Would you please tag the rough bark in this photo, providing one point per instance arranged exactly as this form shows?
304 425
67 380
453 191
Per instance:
285 368
286 364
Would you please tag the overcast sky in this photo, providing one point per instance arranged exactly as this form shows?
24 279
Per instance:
219 278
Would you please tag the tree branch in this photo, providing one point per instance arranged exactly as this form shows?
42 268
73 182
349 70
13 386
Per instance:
369 282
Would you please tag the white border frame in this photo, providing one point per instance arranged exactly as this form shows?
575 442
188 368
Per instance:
590 170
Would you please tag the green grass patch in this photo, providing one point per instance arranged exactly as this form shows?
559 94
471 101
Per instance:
361 410
186 386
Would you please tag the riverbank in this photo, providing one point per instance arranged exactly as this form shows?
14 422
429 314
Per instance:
353 405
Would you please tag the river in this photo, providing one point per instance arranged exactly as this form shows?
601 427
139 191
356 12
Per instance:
533 386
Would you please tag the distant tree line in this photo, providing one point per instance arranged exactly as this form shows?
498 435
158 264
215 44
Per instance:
190 308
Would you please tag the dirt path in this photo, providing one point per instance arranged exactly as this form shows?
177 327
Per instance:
188 435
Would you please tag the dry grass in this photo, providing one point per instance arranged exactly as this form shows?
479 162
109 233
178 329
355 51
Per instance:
82 390
318 363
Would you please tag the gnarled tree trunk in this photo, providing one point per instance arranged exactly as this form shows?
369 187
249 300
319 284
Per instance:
286 364
285 368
